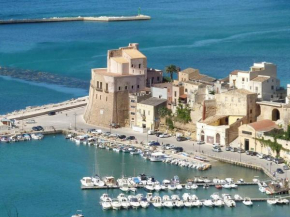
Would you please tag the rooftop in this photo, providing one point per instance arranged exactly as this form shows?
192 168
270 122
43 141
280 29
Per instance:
239 91
120 60
214 118
190 70
261 78
263 125
103 71
153 101
134 54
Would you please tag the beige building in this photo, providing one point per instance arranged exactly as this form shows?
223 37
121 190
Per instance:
187 74
233 108
248 133
260 79
147 112
154 76
110 87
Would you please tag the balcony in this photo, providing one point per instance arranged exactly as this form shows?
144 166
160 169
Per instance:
99 89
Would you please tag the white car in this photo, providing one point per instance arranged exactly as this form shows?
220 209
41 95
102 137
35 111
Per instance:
151 132
164 135
31 121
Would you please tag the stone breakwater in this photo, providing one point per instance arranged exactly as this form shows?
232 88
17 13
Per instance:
43 77
71 19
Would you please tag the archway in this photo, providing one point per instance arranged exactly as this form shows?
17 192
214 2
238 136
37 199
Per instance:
217 138
275 115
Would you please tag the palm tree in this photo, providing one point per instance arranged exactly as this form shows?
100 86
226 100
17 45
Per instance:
171 69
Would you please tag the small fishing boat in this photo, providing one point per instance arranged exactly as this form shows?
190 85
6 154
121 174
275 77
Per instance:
247 201
208 203
237 197
157 202
272 201
107 203
144 203
218 186
78 214
116 204
87 182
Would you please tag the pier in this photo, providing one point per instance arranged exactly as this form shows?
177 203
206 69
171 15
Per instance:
74 19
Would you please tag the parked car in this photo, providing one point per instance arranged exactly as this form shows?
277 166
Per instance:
248 152
30 121
234 149
270 158
164 135
216 145
240 150
51 113
261 156
154 143
180 139
151 132
217 149
106 133
285 167
228 148
37 128
130 138
113 125
178 149
254 153
122 137
158 134
279 160
280 171
200 142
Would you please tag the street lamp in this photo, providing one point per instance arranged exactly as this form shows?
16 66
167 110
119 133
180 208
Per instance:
75 114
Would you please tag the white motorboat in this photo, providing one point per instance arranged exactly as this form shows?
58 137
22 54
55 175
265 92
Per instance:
87 182
186 197
157 187
132 189
37 136
125 188
179 203
196 203
227 186
247 201
157 157
282 201
187 203
149 187
116 204
272 201
215 196
149 197
104 197
144 203
109 181
233 185
134 202
240 181
262 189
167 202
97 181
237 197
194 187
157 202
78 214
256 180
208 203
188 185
228 200
172 187
179 187
107 203
218 203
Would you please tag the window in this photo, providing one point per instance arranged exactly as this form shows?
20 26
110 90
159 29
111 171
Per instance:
139 66
185 90
101 85
100 97
243 79
175 93
132 113
132 87
107 86
119 88
138 86
132 65
272 87
157 78
247 132
96 96
98 84
132 106
251 111
271 96
126 87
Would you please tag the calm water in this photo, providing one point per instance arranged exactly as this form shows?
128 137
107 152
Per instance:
41 178
216 36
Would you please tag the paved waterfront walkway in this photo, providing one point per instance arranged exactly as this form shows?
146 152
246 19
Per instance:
73 118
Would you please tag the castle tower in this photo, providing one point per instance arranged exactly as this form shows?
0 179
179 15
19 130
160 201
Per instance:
110 87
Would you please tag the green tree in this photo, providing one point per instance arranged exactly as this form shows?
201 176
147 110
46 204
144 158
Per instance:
169 123
287 133
274 145
171 69
183 113
163 112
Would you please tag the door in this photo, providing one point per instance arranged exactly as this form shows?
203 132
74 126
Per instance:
247 144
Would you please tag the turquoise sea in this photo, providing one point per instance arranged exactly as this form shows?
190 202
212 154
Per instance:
215 36
42 179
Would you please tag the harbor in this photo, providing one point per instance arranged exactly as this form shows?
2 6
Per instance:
75 19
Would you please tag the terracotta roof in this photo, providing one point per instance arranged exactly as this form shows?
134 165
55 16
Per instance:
235 72
183 96
263 125
134 54
261 78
